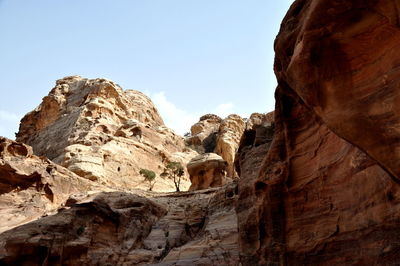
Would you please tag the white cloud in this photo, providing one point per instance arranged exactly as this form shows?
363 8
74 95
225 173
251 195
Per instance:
175 118
181 120
224 109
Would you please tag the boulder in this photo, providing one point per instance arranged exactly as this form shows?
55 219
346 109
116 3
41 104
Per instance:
207 170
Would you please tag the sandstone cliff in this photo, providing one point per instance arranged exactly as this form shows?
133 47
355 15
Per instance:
328 191
102 133
31 187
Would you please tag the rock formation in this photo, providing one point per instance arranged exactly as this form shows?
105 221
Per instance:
328 192
124 229
207 170
229 134
102 133
254 144
31 187
204 133
221 136
325 191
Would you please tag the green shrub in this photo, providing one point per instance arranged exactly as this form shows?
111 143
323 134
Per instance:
149 176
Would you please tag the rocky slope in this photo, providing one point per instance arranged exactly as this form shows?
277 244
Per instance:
31 187
122 228
328 191
102 133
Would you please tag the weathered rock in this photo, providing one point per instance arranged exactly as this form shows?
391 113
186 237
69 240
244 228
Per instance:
103 133
254 145
326 194
204 133
229 134
106 230
117 228
207 170
31 187
221 136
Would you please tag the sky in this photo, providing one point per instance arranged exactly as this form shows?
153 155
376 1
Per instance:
191 57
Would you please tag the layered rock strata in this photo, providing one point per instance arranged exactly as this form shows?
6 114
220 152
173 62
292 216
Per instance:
102 133
118 228
328 192
31 186
207 170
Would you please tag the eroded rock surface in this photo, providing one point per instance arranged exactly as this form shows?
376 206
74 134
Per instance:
204 133
221 136
327 193
229 134
102 133
31 187
192 228
207 170
254 144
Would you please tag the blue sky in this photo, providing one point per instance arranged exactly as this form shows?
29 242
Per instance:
190 56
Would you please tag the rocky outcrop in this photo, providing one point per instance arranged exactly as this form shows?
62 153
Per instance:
204 133
221 136
102 133
117 228
328 192
207 170
229 134
101 231
31 187
254 145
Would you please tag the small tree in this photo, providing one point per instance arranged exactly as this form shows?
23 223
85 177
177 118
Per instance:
149 176
174 170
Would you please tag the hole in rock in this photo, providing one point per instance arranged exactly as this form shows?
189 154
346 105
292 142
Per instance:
390 196
260 186
230 194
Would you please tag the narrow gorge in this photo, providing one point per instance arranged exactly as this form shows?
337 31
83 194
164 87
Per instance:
315 182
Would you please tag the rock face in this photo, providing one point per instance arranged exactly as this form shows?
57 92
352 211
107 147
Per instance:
102 133
328 192
204 133
229 134
221 136
31 187
254 145
125 229
207 170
